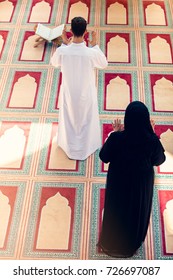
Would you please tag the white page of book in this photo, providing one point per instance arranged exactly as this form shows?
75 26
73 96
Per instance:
56 32
43 31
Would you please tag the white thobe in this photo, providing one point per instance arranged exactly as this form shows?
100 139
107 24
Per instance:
79 127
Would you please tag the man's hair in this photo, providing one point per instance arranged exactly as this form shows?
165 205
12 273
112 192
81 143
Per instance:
78 26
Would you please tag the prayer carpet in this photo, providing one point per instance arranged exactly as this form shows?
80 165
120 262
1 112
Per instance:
51 207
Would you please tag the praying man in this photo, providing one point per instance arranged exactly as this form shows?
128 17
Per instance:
79 126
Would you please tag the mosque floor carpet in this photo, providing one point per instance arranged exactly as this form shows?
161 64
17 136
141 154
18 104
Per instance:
51 207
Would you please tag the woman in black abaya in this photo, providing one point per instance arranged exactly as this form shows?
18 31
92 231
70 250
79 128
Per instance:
132 153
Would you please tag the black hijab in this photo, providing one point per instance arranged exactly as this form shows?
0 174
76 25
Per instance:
137 121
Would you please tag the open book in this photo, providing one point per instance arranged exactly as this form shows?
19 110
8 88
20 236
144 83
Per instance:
49 33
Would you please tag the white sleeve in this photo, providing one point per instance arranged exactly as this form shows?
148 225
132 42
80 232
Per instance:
100 60
56 58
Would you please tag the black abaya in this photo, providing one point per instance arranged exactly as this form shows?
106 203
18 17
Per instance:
129 190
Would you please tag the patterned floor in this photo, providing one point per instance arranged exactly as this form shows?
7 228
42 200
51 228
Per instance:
50 206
